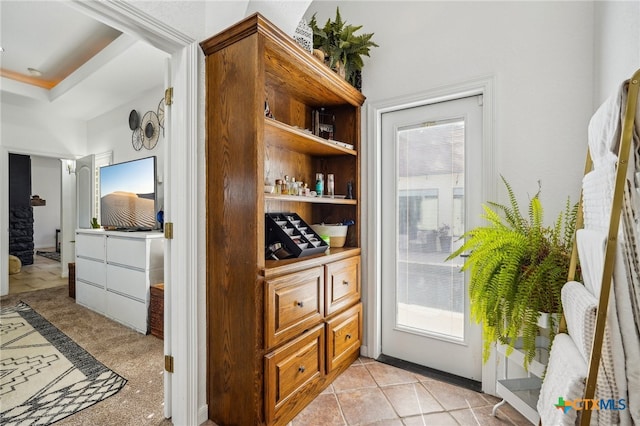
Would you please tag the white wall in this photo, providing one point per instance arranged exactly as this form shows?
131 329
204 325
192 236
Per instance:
617 45
46 182
30 129
539 54
110 132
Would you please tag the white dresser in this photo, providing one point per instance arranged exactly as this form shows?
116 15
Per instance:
114 271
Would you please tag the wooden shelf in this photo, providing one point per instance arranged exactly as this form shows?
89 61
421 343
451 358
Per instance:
288 65
287 266
299 140
315 200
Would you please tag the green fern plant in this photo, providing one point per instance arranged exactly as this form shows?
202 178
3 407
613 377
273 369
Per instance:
517 268
341 45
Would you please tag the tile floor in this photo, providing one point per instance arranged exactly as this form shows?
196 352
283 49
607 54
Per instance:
373 393
43 273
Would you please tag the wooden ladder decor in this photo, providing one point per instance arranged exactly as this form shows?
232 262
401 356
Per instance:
611 242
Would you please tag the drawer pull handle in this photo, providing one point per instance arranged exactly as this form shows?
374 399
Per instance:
345 282
348 336
301 369
300 304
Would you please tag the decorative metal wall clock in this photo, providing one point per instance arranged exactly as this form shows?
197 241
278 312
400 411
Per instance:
146 131
150 130
161 114
136 139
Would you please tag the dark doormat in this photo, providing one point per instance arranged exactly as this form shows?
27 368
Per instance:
430 372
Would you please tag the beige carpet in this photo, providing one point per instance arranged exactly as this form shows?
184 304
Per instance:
136 357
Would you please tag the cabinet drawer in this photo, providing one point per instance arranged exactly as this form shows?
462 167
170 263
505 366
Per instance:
292 368
90 296
344 336
127 251
343 284
127 311
91 271
130 282
91 246
293 303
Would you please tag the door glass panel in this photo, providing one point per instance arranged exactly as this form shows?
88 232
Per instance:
430 210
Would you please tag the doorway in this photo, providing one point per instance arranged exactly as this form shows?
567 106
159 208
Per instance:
35 227
430 190
184 399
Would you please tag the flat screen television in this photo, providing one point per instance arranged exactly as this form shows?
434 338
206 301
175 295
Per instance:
128 195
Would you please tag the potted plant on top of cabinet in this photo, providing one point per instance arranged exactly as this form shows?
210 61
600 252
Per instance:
518 266
343 49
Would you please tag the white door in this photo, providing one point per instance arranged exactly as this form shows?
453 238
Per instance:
86 190
431 181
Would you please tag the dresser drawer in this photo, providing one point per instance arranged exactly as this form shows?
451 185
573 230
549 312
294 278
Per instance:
127 251
127 311
344 336
292 369
90 296
293 303
91 271
91 246
129 282
343 284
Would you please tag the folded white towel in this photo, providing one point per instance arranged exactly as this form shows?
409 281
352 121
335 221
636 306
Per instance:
591 245
565 378
580 308
597 194
604 127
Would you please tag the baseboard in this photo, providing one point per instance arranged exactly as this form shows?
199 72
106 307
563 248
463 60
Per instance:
364 351
203 414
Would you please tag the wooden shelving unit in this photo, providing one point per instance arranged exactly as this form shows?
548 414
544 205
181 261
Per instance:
278 331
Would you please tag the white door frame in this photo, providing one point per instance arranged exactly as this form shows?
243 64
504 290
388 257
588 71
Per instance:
181 199
372 270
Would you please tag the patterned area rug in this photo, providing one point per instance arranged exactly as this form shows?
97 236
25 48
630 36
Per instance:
53 255
44 375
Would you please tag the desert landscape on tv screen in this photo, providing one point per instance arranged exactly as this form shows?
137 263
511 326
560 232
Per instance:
128 195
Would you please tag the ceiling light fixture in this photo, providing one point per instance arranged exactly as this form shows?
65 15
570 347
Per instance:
1 49
34 72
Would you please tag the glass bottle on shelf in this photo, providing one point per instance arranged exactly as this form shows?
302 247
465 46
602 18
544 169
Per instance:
319 184
330 185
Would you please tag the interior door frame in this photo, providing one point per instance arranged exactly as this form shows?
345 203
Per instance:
372 220
181 201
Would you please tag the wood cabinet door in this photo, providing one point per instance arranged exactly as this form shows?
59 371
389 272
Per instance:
293 304
293 369
343 284
344 336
